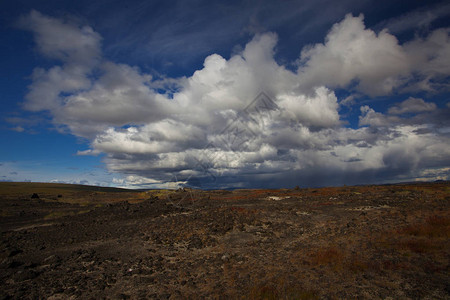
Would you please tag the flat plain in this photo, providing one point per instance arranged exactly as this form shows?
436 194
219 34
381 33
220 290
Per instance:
81 242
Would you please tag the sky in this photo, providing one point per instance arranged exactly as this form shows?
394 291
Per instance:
224 94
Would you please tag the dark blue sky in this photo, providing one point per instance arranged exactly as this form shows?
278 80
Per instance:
134 93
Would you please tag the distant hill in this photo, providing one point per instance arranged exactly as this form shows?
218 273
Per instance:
36 187
68 192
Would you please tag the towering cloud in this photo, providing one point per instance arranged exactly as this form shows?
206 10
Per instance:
248 120
351 52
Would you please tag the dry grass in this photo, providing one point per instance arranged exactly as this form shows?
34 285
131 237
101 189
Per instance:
6 213
327 256
58 214
338 260
263 292
433 227
64 213
428 236
389 265
416 245
279 289
357 264
242 210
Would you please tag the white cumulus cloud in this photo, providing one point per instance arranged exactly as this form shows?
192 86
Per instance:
211 131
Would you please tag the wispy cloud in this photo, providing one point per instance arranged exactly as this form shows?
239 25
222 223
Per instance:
161 34
419 19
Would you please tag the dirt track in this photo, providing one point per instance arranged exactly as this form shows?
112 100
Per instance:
368 242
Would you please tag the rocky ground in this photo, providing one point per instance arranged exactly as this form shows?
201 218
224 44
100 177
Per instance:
388 241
